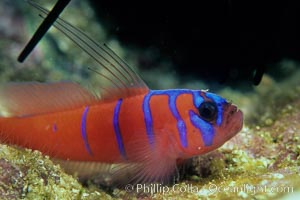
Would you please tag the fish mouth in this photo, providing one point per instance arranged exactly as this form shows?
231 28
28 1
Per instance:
240 118
235 119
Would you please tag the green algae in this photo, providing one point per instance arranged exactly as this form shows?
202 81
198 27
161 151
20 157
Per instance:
34 176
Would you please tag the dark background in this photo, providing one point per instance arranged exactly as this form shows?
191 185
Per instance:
226 40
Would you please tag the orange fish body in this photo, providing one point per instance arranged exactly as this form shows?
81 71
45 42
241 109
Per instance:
156 124
147 130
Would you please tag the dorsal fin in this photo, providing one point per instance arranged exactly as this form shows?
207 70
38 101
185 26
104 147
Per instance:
123 81
23 99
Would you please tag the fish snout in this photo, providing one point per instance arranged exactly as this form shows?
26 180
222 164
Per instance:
234 117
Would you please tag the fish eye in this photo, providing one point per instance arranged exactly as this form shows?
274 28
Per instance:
208 111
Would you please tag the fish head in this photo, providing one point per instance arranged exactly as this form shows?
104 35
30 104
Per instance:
210 121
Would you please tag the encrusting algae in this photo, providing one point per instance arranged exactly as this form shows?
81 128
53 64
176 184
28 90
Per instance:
261 162
27 174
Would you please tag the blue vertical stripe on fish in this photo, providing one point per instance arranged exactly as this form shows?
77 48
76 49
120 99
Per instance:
207 130
83 131
54 128
172 95
180 123
117 128
148 118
